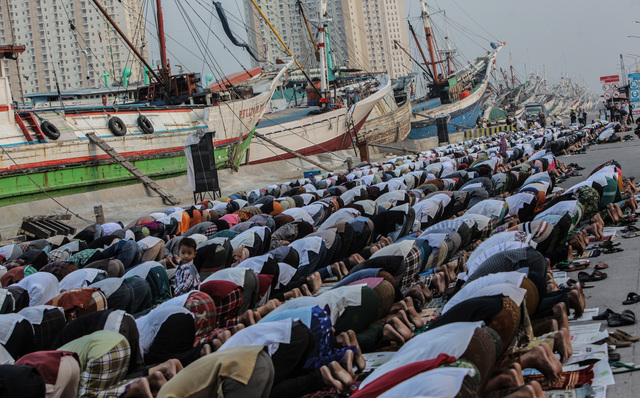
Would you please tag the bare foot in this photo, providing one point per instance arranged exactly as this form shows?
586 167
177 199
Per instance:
294 293
156 381
268 307
348 339
413 315
216 344
347 363
401 328
168 368
340 374
421 292
339 269
562 344
389 333
247 318
560 315
224 336
577 301
329 380
402 316
438 284
139 388
236 329
506 378
314 282
542 359
305 290
205 350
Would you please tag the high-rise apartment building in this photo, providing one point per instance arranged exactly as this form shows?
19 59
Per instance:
70 43
286 18
362 33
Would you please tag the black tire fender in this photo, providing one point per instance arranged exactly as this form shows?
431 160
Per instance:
145 124
50 130
117 126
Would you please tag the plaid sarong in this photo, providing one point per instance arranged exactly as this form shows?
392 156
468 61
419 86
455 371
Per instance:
59 269
227 297
78 302
204 310
413 260
102 373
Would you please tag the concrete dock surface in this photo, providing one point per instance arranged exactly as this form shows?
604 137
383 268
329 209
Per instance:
624 267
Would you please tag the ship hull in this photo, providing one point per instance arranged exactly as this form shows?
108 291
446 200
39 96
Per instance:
74 164
463 115
388 128
311 135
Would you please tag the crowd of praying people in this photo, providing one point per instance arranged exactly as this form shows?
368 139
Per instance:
279 291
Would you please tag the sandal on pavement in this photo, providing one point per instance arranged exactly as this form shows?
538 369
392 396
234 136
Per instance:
632 298
612 250
628 317
570 266
631 234
603 315
607 244
622 335
616 342
601 265
594 277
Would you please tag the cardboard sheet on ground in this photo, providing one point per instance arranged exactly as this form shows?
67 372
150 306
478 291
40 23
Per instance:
602 374
561 277
614 231
587 333
582 392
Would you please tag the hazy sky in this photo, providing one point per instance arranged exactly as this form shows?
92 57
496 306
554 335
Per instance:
583 38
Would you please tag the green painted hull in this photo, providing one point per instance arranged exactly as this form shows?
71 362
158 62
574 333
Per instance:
72 179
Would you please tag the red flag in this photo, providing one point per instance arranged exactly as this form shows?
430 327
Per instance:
100 36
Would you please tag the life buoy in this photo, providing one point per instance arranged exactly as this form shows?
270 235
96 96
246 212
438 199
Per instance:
117 126
50 130
145 124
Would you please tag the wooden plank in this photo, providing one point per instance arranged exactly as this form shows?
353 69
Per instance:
63 228
35 230
148 182
48 217
14 240
291 151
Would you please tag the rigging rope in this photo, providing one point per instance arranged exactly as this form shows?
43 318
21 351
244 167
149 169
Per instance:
40 187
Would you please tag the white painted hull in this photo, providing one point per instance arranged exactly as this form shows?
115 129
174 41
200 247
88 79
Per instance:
315 134
229 120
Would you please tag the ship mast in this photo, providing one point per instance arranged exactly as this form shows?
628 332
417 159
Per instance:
449 51
323 52
165 70
426 63
426 19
